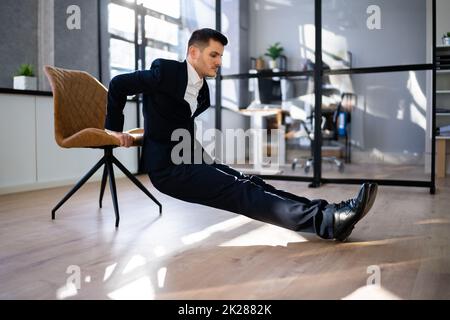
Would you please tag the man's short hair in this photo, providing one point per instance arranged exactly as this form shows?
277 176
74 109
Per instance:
201 37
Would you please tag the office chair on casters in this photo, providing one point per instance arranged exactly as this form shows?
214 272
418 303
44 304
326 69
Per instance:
330 132
80 110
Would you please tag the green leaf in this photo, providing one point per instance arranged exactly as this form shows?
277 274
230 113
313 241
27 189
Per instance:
25 69
274 51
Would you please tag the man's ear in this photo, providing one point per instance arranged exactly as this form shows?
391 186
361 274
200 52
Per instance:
194 52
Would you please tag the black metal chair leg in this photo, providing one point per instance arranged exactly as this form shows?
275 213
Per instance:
103 185
136 182
108 171
78 185
112 186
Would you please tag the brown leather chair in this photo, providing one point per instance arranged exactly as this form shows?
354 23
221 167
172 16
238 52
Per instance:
80 110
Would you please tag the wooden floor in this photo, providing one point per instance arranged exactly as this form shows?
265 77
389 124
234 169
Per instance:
196 252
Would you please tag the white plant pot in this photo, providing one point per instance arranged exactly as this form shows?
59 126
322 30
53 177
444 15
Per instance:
446 41
272 64
25 83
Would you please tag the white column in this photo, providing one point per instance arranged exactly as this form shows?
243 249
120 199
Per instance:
46 41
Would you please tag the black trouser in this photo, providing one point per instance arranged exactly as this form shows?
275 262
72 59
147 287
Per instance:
222 187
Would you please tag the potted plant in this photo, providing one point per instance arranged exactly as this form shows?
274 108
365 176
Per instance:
446 39
274 52
25 79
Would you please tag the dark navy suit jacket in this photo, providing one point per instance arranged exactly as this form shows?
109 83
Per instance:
164 108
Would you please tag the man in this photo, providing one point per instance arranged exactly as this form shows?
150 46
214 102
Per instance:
174 94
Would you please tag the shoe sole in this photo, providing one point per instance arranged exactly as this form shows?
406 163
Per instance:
370 200
344 237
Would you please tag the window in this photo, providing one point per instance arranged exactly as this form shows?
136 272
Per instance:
153 53
121 56
121 21
170 8
121 27
160 30
163 32
167 27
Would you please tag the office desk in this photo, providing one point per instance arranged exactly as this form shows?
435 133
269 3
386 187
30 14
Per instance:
257 123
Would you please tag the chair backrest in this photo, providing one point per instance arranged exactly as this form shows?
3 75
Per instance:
344 108
79 101
270 91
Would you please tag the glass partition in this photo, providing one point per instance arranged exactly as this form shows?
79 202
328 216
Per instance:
372 33
379 131
382 127
287 27
265 134
255 98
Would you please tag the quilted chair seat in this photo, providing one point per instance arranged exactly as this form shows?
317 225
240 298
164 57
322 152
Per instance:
95 138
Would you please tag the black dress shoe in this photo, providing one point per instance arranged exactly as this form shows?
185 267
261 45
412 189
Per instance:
349 212
373 189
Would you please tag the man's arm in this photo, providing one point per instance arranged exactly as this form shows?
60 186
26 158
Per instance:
122 86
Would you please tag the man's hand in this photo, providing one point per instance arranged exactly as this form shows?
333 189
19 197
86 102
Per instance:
126 140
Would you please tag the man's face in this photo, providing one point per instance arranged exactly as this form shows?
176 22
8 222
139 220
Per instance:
207 61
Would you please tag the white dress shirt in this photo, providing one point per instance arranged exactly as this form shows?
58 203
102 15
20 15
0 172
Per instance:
195 83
